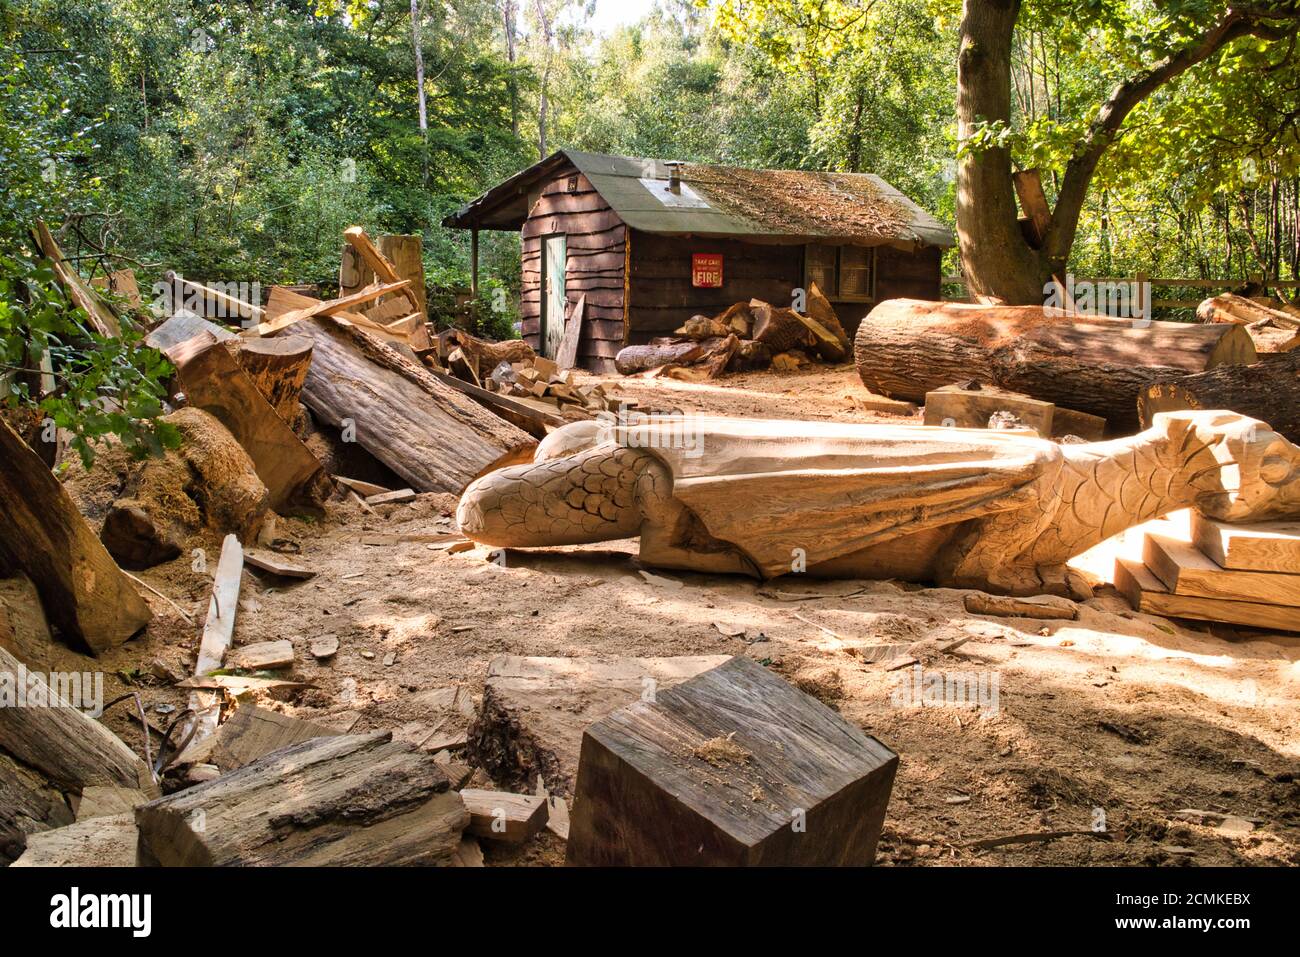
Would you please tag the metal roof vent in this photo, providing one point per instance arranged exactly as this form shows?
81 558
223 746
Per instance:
674 176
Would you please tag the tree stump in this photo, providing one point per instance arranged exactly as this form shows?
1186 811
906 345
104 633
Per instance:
733 767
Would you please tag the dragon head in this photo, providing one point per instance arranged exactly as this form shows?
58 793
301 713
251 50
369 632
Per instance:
1251 474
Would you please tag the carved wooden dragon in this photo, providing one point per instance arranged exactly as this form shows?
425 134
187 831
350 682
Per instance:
1001 511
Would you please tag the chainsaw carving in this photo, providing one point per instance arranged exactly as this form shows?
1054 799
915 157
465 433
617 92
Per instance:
1001 511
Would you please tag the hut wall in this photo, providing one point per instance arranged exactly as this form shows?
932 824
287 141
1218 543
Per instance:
596 244
661 296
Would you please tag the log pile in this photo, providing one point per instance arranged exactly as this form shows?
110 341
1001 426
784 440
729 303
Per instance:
744 336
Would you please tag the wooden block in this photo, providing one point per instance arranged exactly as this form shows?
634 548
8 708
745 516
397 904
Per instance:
252 732
535 710
262 656
365 489
1038 606
498 816
319 803
1147 593
98 842
1072 422
732 767
545 368
955 407
1260 546
1186 570
271 562
392 498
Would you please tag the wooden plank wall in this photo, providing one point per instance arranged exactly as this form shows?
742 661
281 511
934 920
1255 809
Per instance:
596 240
904 275
661 296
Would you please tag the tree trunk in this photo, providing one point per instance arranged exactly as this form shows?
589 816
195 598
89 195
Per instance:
1268 390
436 439
278 367
997 259
907 347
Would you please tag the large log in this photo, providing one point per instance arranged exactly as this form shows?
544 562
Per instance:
633 359
907 347
358 800
86 596
436 439
1268 390
733 767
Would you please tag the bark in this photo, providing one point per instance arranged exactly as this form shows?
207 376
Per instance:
1268 390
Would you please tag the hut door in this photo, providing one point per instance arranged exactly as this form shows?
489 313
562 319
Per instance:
554 261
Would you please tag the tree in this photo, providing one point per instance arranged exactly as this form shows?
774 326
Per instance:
998 259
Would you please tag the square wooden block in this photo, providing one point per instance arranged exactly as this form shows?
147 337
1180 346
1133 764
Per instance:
731 767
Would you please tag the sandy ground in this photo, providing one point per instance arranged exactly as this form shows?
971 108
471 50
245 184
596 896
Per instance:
1121 715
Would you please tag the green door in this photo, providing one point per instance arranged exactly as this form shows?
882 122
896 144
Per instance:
555 260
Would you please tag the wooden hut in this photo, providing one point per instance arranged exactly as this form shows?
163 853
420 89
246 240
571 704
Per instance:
650 243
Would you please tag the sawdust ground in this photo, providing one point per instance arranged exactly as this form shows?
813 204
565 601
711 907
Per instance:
1131 714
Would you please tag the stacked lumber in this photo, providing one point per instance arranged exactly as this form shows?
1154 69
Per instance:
1236 574
745 335
906 348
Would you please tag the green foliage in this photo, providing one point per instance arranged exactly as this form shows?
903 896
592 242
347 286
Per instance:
101 386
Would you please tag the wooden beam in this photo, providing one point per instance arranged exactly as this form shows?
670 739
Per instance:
329 307
1185 570
218 632
500 816
1259 546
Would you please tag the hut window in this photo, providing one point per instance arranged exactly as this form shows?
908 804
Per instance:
573 184
842 272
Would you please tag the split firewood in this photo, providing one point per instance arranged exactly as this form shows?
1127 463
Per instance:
213 381
779 328
100 842
85 595
1039 606
253 732
261 656
312 804
566 356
